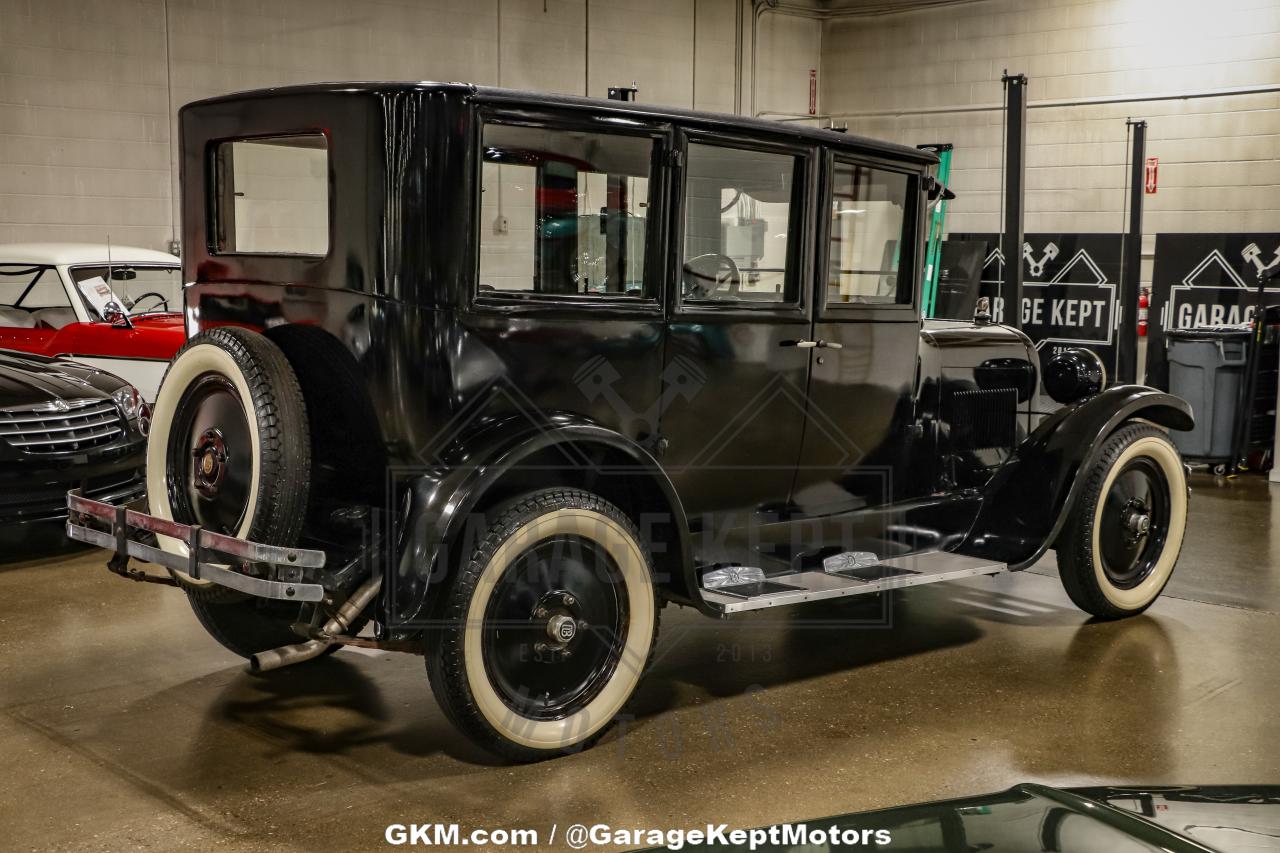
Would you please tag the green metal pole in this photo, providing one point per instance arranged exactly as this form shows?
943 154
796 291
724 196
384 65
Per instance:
937 220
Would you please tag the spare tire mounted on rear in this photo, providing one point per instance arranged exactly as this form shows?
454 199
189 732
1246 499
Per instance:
229 445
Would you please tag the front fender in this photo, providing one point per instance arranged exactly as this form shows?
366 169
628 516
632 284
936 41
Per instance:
444 498
1026 503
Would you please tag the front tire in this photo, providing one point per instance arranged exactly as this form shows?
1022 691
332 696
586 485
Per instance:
546 629
1122 538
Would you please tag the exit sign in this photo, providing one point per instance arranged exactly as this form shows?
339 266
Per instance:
1153 171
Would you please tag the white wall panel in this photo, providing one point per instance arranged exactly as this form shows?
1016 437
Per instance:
88 93
1218 157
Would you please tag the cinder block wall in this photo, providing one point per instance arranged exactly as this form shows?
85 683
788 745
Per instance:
88 88
1219 157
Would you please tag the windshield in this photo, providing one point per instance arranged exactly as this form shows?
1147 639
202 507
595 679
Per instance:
136 289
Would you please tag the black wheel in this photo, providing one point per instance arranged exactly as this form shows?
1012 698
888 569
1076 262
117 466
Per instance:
1122 539
1220 469
228 447
546 629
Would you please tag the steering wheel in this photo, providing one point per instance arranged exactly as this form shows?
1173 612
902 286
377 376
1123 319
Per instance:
163 305
706 275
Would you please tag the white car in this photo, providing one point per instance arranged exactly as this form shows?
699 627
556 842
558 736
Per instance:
119 310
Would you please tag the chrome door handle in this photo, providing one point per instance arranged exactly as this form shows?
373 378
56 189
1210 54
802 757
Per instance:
802 344
830 345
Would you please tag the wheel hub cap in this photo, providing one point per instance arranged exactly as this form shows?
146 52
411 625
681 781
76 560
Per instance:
557 612
210 456
1137 519
562 629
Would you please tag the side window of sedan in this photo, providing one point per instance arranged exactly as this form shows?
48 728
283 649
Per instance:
738 225
868 211
564 212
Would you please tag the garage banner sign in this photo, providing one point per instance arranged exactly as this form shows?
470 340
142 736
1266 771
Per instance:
1204 280
1069 289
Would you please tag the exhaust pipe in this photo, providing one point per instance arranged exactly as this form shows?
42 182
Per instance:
338 624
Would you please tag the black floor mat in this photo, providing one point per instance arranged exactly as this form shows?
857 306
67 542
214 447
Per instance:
752 590
877 572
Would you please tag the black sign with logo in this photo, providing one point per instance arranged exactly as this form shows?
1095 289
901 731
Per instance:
1204 280
1069 289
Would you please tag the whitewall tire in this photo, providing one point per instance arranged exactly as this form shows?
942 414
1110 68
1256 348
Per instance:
545 631
1123 536
228 446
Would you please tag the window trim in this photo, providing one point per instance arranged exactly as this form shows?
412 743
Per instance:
655 238
798 244
908 310
216 194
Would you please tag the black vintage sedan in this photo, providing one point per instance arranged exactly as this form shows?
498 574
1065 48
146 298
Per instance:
65 426
690 368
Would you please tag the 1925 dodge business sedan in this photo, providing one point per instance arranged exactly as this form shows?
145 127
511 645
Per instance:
504 374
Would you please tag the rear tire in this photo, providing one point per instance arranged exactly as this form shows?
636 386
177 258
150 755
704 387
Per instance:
1122 538
228 447
547 628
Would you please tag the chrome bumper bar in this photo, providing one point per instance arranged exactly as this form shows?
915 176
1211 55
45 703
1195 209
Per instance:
203 548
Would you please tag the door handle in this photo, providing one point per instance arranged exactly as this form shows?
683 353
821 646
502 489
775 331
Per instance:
830 345
802 344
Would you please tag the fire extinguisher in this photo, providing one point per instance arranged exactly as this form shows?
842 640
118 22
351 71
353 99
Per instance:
1144 302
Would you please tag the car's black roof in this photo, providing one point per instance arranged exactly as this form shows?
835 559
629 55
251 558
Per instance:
491 94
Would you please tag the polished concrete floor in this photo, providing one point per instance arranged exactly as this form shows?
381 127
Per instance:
124 727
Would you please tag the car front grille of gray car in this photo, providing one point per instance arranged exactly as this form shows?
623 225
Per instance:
61 427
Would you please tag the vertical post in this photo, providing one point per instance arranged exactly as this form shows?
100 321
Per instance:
615 252
1015 167
1131 273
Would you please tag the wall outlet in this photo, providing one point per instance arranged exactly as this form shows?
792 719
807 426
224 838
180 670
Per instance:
501 225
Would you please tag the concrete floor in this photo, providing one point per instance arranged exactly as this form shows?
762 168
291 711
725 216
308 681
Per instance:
124 727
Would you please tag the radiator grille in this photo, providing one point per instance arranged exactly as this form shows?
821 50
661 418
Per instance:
983 419
45 429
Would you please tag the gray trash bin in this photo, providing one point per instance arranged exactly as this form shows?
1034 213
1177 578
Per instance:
1207 368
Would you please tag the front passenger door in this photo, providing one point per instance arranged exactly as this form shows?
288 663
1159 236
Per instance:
734 377
861 450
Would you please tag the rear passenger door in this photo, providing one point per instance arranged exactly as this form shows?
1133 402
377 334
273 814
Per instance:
735 365
860 448
565 314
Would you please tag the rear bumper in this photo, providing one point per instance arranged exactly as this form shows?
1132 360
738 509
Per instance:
265 571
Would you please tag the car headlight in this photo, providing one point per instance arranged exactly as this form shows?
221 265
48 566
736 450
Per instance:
129 401
1074 374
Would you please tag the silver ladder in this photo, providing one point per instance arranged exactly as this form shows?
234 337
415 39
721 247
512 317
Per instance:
853 579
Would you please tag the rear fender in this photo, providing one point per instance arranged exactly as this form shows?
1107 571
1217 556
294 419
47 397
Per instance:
438 526
1027 502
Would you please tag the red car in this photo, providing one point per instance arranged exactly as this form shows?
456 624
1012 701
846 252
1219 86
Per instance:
119 310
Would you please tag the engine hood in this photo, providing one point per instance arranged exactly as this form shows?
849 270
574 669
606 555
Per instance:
29 380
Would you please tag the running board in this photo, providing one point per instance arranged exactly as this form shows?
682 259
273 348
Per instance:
859 579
